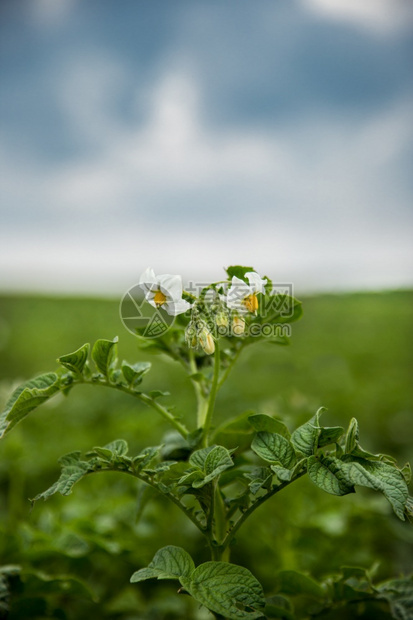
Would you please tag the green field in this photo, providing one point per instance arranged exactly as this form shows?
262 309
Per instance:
350 353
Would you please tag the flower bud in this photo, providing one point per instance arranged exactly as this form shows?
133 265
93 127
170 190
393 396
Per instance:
238 325
191 336
207 341
221 319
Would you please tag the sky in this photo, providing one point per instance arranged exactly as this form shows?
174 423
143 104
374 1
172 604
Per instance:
189 135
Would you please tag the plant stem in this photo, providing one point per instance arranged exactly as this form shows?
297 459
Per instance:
254 506
181 428
212 396
147 481
202 402
225 374
167 415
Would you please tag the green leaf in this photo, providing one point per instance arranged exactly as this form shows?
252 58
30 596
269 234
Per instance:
352 436
305 437
279 607
68 478
399 595
75 361
238 271
274 448
294 583
325 472
329 434
216 461
168 563
154 394
119 447
145 458
226 589
198 458
261 477
26 398
406 472
104 355
380 477
134 373
263 422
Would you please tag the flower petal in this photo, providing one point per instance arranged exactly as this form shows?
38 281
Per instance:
148 280
237 292
171 286
174 308
256 282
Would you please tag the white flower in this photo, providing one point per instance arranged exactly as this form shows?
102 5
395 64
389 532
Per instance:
164 292
242 297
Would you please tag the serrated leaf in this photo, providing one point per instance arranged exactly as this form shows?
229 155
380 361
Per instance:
75 361
26 398
327 475
238 271
274 448
263 422
104 355
227 589
380 477
168 563
305 437
134 373
295 583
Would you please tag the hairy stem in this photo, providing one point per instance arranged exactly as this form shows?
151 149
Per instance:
212 396
167 415
229 537
225 374
202 402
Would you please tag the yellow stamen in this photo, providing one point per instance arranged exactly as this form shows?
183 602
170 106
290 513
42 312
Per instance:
159 298
251 303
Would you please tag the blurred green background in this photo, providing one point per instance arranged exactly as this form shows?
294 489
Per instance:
351 353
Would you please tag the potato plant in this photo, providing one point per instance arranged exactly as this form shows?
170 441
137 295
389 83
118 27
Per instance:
218 487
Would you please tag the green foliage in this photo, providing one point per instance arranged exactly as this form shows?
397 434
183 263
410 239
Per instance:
226 589
275 449
104 354
238 271
351 593
26 398
218 487
168 563
75 362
